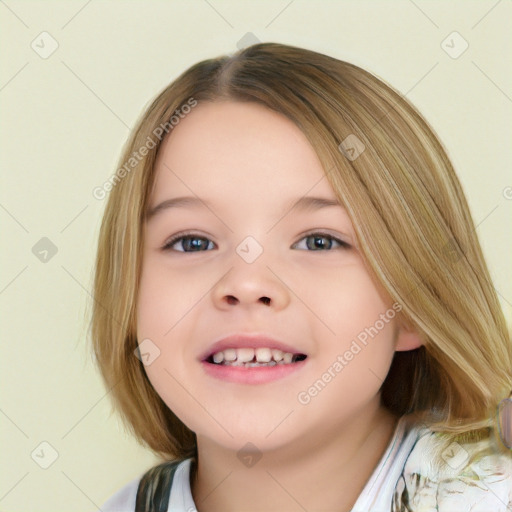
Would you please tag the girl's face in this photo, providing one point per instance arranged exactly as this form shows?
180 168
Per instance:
254 265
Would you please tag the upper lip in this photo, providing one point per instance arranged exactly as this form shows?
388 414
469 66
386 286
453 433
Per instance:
249 341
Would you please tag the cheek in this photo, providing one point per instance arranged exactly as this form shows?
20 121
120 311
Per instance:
357 336
165 297
347 302
349 372
171 385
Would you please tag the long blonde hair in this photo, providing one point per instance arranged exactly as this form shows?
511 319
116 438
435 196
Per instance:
409 213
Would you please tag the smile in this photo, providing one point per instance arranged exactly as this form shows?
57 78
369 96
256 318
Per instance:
254 357
252 366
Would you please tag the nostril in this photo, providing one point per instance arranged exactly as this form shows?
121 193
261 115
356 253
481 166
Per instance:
231 299
265 300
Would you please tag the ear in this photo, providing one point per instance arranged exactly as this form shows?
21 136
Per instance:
407 339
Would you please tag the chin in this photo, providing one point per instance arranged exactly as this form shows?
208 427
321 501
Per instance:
248 436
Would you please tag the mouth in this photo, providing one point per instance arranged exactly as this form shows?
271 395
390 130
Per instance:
249 359
260 357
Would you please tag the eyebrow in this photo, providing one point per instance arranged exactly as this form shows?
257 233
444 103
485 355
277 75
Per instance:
305 203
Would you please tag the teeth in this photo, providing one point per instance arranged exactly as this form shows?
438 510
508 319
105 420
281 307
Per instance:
250 357
230 354
218 357
244 355
263 355
277 354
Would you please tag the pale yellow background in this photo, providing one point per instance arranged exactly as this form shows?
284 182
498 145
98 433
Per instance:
64 120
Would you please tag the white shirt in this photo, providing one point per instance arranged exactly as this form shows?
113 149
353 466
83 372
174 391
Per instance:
405 462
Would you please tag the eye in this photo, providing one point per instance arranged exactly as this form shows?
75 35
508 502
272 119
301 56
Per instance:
190 242
317 241
187 241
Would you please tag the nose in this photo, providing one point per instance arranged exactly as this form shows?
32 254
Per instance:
250 284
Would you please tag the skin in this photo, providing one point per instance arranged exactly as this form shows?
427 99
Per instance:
252 164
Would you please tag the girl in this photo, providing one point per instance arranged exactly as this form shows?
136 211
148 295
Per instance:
291 304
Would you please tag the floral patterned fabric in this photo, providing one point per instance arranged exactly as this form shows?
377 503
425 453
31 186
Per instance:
468 477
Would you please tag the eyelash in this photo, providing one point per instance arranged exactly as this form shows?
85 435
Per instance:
187 234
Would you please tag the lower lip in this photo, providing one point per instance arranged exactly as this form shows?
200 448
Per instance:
251 375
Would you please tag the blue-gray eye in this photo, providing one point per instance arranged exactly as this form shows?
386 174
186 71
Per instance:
318 241
194 243
189 243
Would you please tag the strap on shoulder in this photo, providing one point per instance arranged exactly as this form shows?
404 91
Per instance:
155 487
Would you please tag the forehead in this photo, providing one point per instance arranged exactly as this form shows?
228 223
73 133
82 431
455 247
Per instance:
238 151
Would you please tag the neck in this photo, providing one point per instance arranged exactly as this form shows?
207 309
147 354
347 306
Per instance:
327 472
